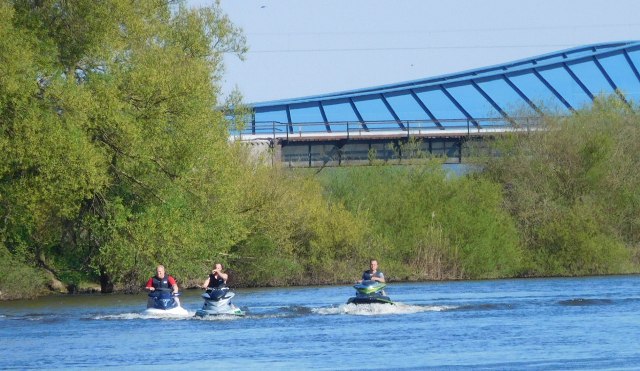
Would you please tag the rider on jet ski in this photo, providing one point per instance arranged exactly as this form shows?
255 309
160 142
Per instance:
372 274
161 281
216 279
218 295
370 289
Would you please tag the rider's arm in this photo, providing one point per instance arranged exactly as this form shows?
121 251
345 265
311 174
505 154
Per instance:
224 276
173 284
379 279
149 285
206 283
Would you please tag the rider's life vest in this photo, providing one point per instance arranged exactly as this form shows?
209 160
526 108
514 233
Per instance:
367 275
215 282
161 283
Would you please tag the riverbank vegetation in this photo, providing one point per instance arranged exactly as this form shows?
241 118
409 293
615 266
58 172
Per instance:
573 190
114 158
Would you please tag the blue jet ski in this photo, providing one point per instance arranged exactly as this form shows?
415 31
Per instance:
216 302
164 302
370 292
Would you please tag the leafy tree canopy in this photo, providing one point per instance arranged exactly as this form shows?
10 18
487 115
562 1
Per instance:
112 154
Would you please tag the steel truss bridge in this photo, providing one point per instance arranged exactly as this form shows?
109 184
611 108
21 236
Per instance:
443 111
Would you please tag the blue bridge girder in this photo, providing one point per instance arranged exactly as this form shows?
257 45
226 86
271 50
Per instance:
489 99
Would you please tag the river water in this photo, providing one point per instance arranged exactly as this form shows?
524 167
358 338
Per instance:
546 324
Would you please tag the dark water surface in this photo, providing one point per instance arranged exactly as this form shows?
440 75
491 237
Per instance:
546 324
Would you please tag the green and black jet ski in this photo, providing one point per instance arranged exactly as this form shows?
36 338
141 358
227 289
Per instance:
370 292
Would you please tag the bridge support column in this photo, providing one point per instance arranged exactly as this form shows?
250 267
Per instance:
276 152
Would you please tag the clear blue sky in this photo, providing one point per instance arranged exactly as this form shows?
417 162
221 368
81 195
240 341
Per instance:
304 47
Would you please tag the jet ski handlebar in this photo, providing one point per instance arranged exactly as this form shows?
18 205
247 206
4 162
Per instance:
163 290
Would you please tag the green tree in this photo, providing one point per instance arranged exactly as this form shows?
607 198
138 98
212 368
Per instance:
572 187
296 235
426 225
114 156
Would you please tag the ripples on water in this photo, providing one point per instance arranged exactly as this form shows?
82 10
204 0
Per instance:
581 323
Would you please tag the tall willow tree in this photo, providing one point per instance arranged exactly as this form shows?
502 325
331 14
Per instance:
112 155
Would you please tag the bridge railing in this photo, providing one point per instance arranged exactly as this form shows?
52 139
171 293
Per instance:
367 129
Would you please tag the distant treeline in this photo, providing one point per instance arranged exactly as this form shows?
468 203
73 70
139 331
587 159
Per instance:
112 160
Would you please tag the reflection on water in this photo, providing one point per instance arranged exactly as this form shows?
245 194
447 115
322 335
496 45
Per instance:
581 301
577 323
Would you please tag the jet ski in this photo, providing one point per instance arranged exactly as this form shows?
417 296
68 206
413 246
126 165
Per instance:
164 302
370 292
216 302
